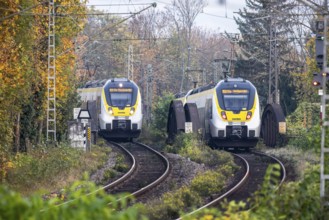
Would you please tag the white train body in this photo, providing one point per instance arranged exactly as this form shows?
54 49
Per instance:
119 107
229 112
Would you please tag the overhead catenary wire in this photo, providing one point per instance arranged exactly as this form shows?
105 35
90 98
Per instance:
217 16
109 27
80 14
104 5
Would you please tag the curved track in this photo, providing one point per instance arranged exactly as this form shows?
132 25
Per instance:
150 168
258 163
255 165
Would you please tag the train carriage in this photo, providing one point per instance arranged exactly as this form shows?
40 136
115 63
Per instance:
119 107
229 112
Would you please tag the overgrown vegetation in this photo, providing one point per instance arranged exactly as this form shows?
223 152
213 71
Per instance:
157 131
99 205
171 204
23 71
190 146
51 168
304 126
295 200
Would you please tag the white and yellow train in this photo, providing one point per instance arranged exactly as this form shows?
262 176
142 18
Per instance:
119 107
229 112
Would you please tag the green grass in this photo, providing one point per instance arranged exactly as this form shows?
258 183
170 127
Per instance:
52 168
99 205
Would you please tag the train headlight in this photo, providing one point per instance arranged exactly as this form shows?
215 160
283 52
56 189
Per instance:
110 110
223 114
249 114
132 111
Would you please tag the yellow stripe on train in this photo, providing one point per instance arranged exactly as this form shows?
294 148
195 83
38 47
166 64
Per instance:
231 116
115 111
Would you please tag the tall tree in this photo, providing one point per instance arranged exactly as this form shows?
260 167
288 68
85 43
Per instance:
184 13
23 65
256 20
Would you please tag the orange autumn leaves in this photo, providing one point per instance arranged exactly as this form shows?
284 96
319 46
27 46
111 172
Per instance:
24 55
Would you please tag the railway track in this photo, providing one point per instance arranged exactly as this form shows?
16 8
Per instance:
258 163
254 167
149 168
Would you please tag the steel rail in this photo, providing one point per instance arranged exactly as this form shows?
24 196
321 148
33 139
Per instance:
154 183
226 194
161 178
283 169
242 181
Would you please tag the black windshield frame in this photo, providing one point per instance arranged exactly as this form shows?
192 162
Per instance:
236 86
114 88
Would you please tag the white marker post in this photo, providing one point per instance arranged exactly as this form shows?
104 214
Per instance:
76 112
188 127
84 116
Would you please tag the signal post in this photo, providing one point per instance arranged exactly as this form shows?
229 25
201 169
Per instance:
320 80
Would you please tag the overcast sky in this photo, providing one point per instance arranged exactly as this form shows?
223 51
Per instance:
215 17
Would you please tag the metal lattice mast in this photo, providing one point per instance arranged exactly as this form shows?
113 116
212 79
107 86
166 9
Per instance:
51 101
273 90
130 63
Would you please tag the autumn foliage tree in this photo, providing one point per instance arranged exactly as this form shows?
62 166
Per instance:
23 68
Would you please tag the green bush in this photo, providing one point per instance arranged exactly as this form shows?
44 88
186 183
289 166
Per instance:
173 203
208 183
43 164
155 131
52 167
121 167
188 145
184 144
160 115
193 152
94 206
176 202
120 164
295 200
227 170
102 143
304 126
108 174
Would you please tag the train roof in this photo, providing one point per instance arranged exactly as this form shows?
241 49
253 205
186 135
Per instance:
95 83
120 80
233 81
228 81
102 82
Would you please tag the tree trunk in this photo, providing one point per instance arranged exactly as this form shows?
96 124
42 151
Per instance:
39 138
17 132
27 145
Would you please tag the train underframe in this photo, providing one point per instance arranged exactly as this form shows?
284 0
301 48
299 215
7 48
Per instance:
234 142
123 129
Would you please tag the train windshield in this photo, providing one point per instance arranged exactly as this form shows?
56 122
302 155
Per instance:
121 97
235 100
